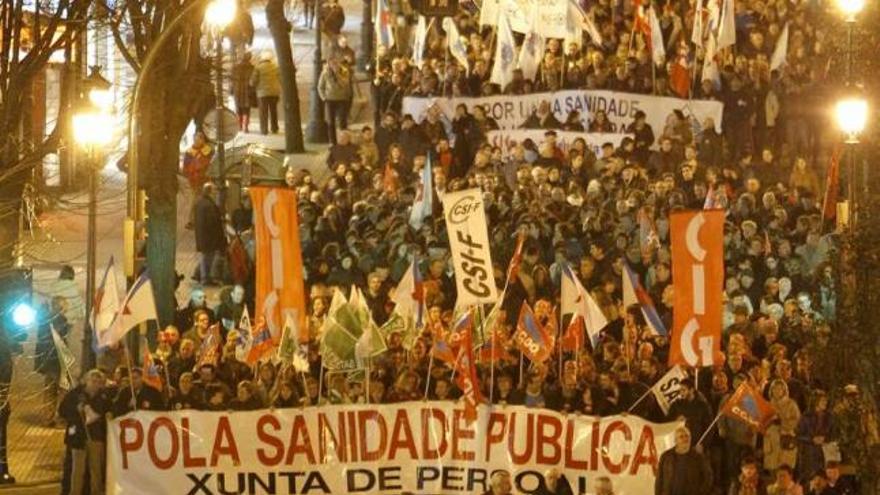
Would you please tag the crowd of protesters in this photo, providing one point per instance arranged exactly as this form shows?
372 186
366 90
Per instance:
573 207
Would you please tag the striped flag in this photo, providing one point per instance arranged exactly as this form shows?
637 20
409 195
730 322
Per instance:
262 342
106 304
576 301
384 25
634 293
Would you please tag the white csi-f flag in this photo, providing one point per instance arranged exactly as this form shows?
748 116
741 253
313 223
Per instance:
138 306
105 305
780 53
505 53
727 28
423 203
465 218
421 36
532 50
576 301
658 48
668 388
455 44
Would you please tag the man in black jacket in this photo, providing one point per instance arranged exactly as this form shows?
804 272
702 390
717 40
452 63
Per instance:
145 397
84 409
210 237
682 470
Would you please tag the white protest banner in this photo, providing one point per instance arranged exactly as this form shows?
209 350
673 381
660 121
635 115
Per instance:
511 111
417 447
552 16
469 242
506 139
668 389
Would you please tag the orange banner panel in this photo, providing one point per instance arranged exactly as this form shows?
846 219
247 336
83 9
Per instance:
279 287
698 279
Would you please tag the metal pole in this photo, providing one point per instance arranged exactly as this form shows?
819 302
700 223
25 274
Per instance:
850 24
316 132
88 357
366 37
221 140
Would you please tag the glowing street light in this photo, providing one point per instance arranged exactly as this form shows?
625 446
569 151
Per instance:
221 13
24 315
851 8
852 116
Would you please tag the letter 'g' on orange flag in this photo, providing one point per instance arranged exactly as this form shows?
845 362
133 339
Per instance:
279 286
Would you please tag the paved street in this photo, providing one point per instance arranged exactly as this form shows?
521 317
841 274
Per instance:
59 238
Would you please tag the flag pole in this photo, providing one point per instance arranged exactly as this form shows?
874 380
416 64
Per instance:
639 401
519 383
130 363
709 428
428 379
320 385
367 378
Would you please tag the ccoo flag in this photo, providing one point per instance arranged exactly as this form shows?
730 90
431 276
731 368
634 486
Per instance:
748 406
634 293
531 337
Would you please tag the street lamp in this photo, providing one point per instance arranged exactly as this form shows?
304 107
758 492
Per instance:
851 8
92 130
316 131
852 115
218 16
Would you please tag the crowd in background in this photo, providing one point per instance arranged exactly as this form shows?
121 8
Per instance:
574 207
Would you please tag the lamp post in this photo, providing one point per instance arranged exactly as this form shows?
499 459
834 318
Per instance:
316 131
92 131
366 36
219 15
851 112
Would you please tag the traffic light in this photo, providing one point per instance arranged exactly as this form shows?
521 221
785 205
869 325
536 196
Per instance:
17 312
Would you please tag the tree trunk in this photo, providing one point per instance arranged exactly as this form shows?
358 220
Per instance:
280 29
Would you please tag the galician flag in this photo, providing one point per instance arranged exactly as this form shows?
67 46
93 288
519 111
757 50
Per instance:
65 358
658 48
138 307
727 28
634 293
409 297
384 25
106 303
421 35
576 301
505 53
424 201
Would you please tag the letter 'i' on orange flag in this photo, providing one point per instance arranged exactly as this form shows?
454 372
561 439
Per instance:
748 406
279 285
698 275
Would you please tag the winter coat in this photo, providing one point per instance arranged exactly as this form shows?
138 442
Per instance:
780 442
242 90
335 85
77 432
265 79
209 226
696 473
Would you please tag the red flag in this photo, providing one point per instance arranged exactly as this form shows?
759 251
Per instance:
466 375
748 406
573 338
832 182
516 260
390 179
531 337
680 78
